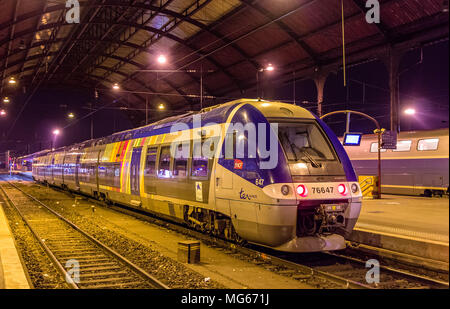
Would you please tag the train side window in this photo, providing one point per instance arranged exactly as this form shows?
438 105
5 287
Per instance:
199 162
150 163
374 148
180 163
117 168
428 144
164 162
403 146
102 172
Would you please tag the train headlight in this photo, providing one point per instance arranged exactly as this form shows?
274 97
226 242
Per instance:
342 189
354 188
285 189
302 190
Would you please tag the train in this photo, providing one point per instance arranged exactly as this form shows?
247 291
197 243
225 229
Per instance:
418 166
4 161
256 171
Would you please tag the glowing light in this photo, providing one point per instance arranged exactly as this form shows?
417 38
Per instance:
2 112
301 165
12 81
342 189
270 68
410 111
56 132
162 59
71 115
6 100
116 86
161 106
302 191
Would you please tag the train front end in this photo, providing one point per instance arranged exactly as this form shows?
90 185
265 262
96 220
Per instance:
310 198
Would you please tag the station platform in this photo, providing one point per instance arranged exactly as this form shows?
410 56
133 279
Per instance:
418 226
12 273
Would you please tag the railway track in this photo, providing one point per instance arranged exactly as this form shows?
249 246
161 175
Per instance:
345 267
73 251
339 270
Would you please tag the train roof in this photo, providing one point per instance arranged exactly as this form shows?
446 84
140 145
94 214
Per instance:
213 114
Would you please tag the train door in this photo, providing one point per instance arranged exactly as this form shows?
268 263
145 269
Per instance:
77 168
134 171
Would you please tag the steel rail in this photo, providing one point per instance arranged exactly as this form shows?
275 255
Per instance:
115 254
426 280
346 283
47 250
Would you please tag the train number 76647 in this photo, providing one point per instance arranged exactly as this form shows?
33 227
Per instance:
322 190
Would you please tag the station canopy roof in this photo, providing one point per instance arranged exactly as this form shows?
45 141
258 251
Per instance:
119 41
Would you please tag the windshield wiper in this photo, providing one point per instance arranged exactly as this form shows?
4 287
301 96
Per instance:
313 162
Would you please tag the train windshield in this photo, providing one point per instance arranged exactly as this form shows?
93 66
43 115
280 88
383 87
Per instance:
305 142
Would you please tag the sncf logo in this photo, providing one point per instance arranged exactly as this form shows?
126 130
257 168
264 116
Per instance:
238 164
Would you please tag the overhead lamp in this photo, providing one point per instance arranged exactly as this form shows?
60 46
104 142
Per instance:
71 115
116 86
161 106
6 100
162 59
12 81
445 6
410 111
56 132
2 112
269 67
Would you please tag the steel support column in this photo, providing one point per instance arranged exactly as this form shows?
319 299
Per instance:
319 79
392 62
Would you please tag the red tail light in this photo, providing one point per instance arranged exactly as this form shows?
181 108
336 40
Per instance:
342 189
302 190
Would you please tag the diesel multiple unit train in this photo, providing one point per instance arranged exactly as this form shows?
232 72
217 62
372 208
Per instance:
200 169
419 165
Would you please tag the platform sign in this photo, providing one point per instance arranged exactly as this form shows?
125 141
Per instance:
389 140
352 139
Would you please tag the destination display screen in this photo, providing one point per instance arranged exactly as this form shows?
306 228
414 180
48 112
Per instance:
352 139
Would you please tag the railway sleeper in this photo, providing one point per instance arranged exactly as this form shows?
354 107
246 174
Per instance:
117 285
104 274
123 280
85 269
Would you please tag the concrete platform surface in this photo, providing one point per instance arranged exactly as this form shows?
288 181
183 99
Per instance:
12 274
421 218
411 228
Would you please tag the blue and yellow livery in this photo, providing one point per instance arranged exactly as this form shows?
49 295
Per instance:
306 199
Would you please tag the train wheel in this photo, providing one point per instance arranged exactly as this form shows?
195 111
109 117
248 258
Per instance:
428 193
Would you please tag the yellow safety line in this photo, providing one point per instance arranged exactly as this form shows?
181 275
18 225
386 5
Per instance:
413 187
